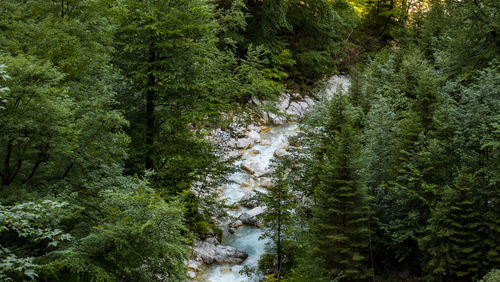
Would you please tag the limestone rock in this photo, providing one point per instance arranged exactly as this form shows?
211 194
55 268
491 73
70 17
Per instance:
244 143
265 142
192 264
280 152
251 217
249 200
254 167
254 136
191 274
237 223
254 152
210 253
264 129
310 102
248 184
266 183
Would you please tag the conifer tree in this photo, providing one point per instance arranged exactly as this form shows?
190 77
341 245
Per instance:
453 240
278 219
340 214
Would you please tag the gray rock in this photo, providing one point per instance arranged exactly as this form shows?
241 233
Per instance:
266 183
191 274
221 137
228 254
254 136
283 103
232 154
212 240
192 264
310 102
248 184
295 110
256 101
251 217
210 253
237 223
237 130
244 143
280 152
335 83
253 127
254 167
249 200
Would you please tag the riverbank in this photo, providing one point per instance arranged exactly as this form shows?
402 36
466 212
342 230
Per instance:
256 144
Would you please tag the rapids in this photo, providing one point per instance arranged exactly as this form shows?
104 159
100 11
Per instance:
246 238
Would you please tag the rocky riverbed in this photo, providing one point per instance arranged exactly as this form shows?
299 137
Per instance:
255 145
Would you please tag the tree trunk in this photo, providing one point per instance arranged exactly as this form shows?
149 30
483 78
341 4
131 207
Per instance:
150 110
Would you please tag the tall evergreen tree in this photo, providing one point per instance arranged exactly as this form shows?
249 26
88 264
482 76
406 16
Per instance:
340 214
453 240
278 220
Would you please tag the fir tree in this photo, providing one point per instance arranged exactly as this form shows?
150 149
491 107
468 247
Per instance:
278 220
340 214
453 240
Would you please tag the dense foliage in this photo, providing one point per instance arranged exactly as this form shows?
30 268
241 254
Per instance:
105 106
419 197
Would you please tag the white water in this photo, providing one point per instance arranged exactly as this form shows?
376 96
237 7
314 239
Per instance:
246 238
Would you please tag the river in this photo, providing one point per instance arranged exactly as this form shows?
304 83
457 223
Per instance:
246 238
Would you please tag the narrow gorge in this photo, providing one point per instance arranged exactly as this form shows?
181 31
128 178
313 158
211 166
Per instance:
242 246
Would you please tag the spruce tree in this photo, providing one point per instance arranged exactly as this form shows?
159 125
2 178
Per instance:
278 219
453 240
340 214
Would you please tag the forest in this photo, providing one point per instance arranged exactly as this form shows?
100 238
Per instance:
109 171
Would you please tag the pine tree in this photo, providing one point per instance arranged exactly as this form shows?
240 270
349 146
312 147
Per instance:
340 214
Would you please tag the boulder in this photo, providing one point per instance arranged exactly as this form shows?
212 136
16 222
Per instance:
295 110
253 127
283 103
251 217
253 152
232 154
265 142
266 183
254 136
248 184
264 129
237 223
212 240
228 254
272 118
310 102
237 130
191 274
254 167
280 152
249 200
192 264
244 143
210 253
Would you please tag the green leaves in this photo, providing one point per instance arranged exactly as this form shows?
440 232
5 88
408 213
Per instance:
32 223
